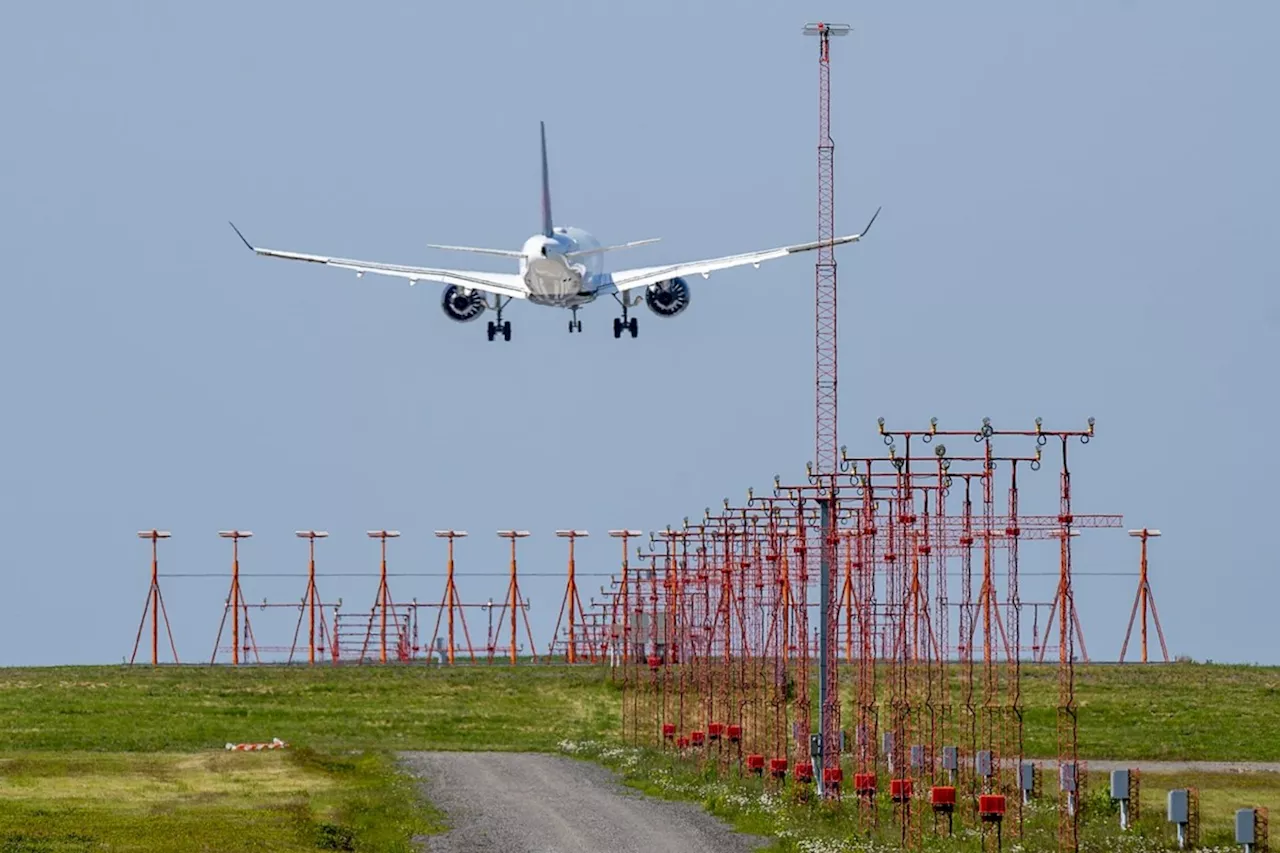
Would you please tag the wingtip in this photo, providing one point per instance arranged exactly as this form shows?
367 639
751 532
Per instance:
241 236
873 219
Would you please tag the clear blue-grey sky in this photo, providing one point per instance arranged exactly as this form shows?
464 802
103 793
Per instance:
1079 205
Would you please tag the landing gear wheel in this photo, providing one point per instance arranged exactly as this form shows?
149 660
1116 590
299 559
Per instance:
492 330
617 327
633 327
579 325
506 330
571 327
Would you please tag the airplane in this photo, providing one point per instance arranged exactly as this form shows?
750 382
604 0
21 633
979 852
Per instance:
561 267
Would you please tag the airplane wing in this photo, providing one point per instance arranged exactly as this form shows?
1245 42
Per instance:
502 284
625 280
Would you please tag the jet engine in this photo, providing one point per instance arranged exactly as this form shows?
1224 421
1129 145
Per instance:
462 305
667 298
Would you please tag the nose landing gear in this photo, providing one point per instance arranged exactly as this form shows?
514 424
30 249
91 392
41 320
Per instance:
575 325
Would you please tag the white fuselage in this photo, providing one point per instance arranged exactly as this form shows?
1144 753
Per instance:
552 276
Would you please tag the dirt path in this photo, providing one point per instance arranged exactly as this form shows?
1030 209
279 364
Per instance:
529 803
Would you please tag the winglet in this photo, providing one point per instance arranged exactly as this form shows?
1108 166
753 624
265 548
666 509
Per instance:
241 236
546 184
873 219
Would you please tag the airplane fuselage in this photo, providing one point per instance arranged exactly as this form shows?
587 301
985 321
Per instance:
553 275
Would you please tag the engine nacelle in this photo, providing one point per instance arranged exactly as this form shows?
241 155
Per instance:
461 305
667 298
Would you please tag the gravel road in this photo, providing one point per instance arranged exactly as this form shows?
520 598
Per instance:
1171 766
529 803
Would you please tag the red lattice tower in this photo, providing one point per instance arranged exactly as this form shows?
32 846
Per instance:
826 445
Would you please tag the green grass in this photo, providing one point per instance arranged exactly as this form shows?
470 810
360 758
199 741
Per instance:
192 707
117 758
231 801
1181 712
797 821
111 758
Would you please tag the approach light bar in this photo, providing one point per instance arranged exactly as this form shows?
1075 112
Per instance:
821 28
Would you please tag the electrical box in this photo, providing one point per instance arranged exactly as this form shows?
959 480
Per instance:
888 743
1179 806
843 741
1246 827
815 745
1067 777
1119 784
1027 776
982 763
917 757
950 758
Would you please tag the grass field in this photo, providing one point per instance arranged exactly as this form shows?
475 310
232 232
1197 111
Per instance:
800 822
112 758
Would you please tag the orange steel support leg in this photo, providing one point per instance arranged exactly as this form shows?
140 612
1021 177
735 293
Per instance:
383 600
1141 600
310 599
572 602
235 600
624 592
514 599
154 604
450 603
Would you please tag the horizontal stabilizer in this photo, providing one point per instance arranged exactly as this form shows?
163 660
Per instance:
612 248
502 253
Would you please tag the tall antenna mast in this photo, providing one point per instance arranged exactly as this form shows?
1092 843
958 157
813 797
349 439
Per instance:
826 751
826 452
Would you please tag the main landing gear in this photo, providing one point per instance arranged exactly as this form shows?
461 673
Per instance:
575 325
621 323
500 326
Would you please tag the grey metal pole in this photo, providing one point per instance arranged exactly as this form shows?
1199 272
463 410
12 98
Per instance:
824 634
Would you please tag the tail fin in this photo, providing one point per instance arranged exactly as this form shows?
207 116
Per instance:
546 185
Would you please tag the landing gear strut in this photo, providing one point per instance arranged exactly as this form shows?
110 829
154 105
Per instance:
575 325
500 326
621 323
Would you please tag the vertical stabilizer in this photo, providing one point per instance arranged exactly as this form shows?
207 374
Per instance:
546 185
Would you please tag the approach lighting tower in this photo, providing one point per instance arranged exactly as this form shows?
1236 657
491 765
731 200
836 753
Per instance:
311 599
235 598
155 604
1144 597
383 600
